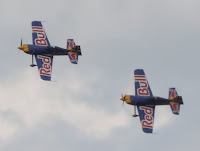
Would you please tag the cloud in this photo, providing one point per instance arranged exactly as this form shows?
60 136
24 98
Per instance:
8 129
29 101
163 117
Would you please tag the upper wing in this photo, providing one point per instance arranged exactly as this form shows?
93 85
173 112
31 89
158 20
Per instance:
142 87
38 34
146 114
44 63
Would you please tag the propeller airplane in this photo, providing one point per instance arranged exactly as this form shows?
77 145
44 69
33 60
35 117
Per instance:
44 52
146 102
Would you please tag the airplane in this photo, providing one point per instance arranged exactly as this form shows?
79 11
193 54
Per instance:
146 102
44 52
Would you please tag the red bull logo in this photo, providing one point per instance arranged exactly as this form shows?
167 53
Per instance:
71 45
41 36
173 94
175 106
73 56
143 90
46 67
148 118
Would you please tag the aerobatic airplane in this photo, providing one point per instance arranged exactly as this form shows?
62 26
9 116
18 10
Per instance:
146 102
44 52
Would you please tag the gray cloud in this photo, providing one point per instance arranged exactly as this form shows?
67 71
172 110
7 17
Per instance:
116 37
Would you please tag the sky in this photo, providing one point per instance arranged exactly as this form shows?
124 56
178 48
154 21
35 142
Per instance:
81 108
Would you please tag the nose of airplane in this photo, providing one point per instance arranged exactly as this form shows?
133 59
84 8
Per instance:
21 47
24 48
126 98
122 99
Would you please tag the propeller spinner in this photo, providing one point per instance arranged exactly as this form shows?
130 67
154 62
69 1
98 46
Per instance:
23 47
123 98
126 98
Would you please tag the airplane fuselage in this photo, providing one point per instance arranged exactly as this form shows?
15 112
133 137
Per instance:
40 50
146 100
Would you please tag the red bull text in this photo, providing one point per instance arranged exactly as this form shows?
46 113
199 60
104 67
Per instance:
143 90
46 67
148 118
41 36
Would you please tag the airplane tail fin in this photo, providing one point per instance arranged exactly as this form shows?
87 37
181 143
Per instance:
176 101
74 51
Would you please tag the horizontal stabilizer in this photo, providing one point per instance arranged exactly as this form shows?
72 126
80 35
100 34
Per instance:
177 100
74 51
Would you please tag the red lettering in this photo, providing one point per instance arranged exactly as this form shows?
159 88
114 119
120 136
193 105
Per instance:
42 35
143 84
41 42
140 79
143 88
143 91
46 66
37 31
146 124
45 72
148 118
45 59
36 27
147 110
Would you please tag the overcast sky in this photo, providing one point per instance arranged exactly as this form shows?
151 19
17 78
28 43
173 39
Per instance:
81 108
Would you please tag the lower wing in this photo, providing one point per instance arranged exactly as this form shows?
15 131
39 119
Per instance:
44 63
146 114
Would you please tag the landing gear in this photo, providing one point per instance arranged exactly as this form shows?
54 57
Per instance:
134 115
33 65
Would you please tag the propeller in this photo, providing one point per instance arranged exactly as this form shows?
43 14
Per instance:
123 98
21 42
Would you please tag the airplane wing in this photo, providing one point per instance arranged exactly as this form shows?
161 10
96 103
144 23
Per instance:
146 114
44 62
38 34
142 87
